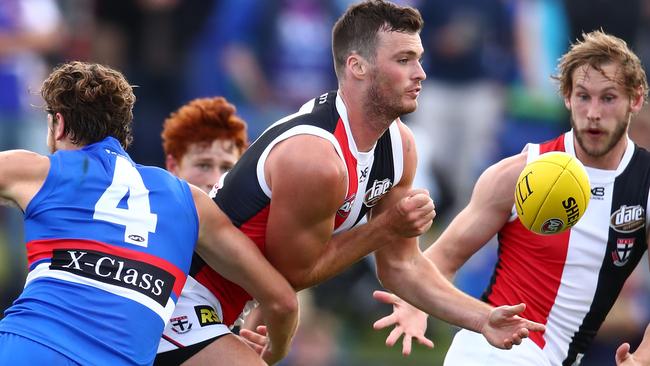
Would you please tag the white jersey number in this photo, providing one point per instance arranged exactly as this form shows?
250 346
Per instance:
137 217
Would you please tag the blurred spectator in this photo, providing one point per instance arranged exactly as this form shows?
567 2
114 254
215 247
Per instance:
534 110
30 30
148 39
267 57
468 57
317 340
619 18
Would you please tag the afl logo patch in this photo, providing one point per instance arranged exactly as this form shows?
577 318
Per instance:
627 219
552 226
378 189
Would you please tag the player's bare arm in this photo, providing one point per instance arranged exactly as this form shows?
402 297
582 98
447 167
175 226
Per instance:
227 249
22 174
488 209
404 270
305 230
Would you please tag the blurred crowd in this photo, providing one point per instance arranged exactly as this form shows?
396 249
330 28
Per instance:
488 91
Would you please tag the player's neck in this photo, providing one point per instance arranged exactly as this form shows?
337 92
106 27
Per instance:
366 127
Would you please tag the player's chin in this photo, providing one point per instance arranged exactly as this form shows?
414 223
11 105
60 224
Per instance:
409 106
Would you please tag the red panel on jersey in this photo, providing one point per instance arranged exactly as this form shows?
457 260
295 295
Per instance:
351 163
529 270
552 145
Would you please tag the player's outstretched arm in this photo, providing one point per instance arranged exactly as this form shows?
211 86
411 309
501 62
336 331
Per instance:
238 259
410 275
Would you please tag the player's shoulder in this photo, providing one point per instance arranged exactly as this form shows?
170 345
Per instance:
308 156
305 166
23 162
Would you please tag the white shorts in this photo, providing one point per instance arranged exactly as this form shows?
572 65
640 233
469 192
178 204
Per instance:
472 349
196 318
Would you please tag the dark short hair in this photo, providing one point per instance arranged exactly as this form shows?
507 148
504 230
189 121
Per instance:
203 121
356 30
94 100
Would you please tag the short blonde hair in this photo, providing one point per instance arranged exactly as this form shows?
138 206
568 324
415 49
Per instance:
596 49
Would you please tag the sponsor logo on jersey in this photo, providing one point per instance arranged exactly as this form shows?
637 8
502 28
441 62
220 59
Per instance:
628 219
552 226
598 193
363 174
346 207
142 277
378 189
180 324
621 255
207 315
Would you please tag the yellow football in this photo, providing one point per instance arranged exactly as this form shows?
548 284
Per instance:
552 193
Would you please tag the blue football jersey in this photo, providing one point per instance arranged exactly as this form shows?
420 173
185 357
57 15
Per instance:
109 244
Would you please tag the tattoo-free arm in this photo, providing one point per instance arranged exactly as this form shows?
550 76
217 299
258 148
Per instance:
231 253
304 204
22 174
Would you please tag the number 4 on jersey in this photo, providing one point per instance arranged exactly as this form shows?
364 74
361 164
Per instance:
137 217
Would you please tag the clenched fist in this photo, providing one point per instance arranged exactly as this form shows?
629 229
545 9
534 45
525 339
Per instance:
412 215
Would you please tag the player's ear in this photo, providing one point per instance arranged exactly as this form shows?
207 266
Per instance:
357 65
637 100
58 126
567 102
171 164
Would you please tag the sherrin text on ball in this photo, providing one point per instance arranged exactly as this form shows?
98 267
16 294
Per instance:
552 193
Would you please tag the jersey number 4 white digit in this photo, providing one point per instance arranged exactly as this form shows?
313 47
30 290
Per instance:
137 217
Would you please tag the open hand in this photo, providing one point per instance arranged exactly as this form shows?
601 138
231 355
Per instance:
408 320
505 328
